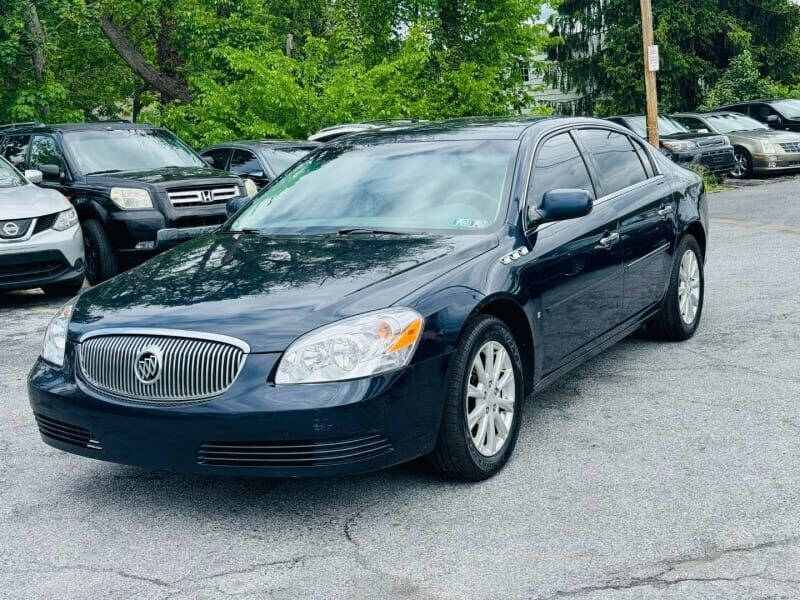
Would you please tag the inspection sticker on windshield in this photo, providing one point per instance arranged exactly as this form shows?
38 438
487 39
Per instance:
472 223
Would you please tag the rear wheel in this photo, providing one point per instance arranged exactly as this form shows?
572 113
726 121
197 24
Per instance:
483 402
101 264
742 164
683 305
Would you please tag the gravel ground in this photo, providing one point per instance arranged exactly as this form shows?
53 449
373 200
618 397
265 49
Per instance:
654 471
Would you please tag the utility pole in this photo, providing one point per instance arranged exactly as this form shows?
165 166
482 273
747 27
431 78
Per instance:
651 66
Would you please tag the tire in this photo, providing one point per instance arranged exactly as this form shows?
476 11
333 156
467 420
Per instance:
670 323
743 164
68 288
101 264
456 455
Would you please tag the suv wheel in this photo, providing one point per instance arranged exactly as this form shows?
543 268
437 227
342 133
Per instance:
483 403
101 264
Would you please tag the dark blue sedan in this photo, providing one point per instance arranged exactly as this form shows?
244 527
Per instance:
397 293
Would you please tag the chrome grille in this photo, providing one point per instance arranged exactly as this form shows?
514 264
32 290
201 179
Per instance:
200 197
790 146
188 366
715 141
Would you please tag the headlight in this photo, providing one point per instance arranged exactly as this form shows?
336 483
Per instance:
360 346
679 146
65 219
55 338
131 198
250 188
769 148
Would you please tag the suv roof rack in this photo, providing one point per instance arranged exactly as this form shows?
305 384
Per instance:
21 124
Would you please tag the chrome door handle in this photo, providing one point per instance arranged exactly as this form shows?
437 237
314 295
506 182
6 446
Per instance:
609 240
666 211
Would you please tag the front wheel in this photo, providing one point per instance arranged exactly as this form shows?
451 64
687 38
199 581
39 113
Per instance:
483 402
683 305
742 164
101 264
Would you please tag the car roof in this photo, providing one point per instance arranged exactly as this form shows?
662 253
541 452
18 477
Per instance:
94 125
706 114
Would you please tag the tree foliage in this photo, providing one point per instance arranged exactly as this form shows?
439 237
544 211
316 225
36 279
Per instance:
222 69
599 49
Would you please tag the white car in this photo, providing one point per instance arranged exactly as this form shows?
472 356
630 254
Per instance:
41 244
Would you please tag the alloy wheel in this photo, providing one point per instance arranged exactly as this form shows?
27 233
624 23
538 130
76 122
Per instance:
490 399
741 164
689 287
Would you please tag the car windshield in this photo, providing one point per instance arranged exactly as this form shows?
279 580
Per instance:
455 186
9 176
666 126
280 159
788 108
731 123
112 150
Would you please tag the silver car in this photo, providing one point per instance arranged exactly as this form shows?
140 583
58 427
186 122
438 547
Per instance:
41 244
757 148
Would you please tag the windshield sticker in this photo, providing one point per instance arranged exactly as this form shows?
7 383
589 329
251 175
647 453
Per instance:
471 223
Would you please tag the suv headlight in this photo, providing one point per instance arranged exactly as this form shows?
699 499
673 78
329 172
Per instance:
131 198
679 146
769 148
55 338
65 219
250 188
356 347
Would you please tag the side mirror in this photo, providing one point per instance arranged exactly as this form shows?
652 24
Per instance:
703 130
51 172
33 175
234 205
257 174
773 119
560 205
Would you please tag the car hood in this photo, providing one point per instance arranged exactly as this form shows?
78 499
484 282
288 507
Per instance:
765 134
163 178
27 201
269 291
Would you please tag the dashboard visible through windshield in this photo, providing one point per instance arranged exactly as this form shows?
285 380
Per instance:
431 186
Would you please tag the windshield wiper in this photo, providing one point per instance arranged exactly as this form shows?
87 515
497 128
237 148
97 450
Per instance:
368 231
105 172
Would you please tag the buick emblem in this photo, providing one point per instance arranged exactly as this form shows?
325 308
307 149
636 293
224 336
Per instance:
207 197
147 367
11 229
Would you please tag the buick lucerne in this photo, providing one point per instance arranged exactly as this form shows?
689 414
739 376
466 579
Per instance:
396 293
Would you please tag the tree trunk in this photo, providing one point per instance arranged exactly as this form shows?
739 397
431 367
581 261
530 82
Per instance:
170 88
37 39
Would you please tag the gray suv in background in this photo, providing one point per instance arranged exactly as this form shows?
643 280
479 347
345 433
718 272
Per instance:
41 244
757 148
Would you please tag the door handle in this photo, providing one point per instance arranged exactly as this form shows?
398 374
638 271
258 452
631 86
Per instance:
608 241
665 211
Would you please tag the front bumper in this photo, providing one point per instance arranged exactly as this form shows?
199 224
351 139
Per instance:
255 428
771 163
49 257
719 160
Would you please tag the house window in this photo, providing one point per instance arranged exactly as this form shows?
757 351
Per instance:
526 73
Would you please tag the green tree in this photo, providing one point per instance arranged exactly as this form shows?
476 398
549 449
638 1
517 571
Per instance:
599 49
741 81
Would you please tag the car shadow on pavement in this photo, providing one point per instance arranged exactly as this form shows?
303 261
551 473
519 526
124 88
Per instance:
28 299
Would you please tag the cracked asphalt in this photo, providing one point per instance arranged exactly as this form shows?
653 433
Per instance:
654 471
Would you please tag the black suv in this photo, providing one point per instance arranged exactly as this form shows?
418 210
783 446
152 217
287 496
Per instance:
259 160
687 148
776 113
138 189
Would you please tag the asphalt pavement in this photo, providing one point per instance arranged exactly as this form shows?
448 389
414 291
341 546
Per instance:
654 471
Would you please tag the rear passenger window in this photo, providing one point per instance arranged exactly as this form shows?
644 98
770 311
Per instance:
617 161
16 149
558 166
244 163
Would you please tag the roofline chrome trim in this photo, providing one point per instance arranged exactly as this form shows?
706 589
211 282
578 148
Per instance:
178 333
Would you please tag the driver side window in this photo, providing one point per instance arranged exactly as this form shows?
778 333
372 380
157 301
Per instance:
558 165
